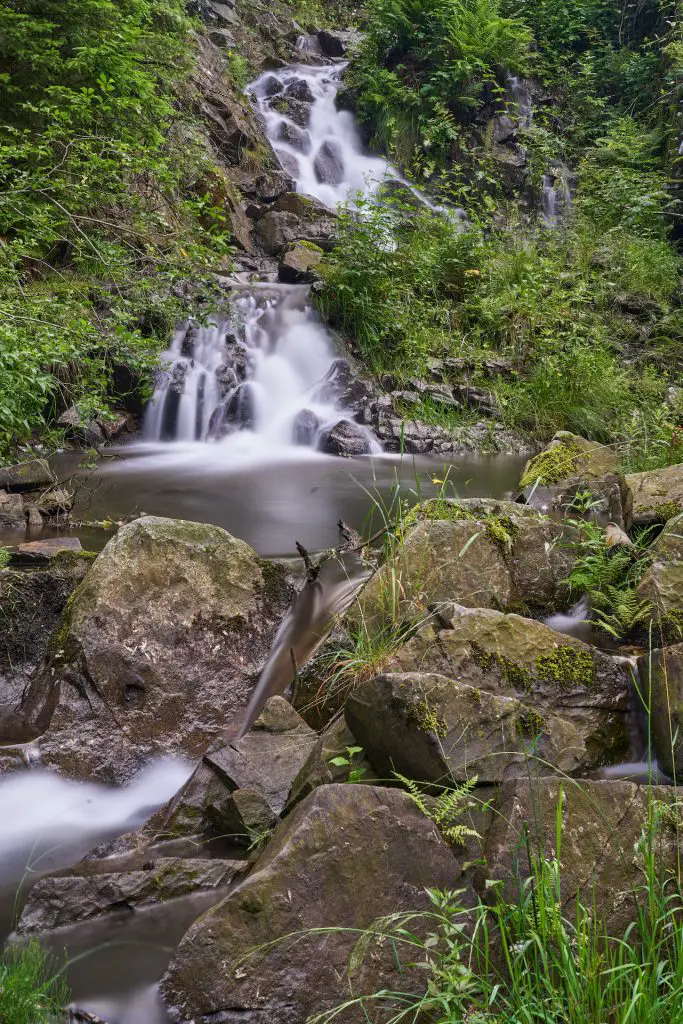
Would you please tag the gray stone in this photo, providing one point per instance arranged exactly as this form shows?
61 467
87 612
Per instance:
661 674
43 551
26 476
655 496
345 439
298 263
295 137
329 163
158 650
344 857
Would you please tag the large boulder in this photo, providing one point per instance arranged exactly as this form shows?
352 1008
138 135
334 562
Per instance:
241 788
12 512
655 496
295 218
346 856
477 553
497 696
570 464
158 649
298 263
604 825
661 674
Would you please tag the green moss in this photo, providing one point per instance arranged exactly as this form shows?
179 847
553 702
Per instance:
70 559
422 714
530 725
566 668
668 509
516 675
555 463
439 509
311 246
501 530
60 638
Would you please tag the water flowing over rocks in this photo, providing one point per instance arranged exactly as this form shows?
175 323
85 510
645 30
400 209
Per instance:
345 856
157 651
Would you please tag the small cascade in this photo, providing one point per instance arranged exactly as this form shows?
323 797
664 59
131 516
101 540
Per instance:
254 380
318 145
556 200
523 100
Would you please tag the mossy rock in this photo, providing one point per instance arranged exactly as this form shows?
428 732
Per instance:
663 669
569 456
656 496
158 648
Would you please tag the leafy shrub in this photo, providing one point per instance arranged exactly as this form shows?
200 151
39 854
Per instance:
426 64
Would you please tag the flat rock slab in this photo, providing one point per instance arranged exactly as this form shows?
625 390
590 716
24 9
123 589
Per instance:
42 552
62 900
27 476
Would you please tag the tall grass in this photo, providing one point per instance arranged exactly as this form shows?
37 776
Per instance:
529 961
32 990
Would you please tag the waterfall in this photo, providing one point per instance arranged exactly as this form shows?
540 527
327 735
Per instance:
521 94
252 381
556 199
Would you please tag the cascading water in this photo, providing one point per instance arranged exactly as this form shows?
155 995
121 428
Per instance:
556 200
318 145
254 381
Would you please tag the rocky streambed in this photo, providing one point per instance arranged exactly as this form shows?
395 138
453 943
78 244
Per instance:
284 809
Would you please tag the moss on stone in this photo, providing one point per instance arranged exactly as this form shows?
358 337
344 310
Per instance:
530 725
516 675
566 667
440 509
553 464
501 530
422 714
69 559
667 510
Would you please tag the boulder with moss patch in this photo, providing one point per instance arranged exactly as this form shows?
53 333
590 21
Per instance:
580 693
662 584
655 496
158 649
571 465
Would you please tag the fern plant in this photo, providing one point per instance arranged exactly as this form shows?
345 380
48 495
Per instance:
627 611
446 809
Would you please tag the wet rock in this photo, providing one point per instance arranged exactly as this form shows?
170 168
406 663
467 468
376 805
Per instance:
298 263
300 90
361 852
295 110
279 226
266 186
295 137
117 424
271 86
433 728
84 432
329 163
569 465
12 512
306 427
511 155
26 476
503 128
41 552
654 496
227 379
289 162
68 898
332 43
603 824
346 440
662 670
344 387
241 788
662 584
158 649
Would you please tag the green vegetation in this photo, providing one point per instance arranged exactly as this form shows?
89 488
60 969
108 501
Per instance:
424 65
528 961
32 991
446 809
5 556
587 314
106 200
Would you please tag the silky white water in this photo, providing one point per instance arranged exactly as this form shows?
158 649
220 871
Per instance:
253 383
